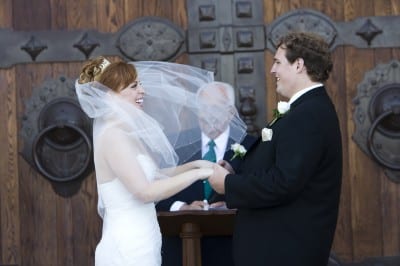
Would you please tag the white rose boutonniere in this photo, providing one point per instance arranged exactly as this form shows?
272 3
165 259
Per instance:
239 150
282 108
266 134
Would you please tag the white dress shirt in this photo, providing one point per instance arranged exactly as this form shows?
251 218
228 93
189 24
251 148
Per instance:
301 92
220 144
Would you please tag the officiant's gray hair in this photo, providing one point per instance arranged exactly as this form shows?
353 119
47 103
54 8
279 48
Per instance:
220 88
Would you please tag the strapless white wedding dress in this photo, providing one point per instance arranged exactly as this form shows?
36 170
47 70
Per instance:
131 234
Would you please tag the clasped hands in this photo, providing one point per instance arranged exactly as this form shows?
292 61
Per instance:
218 173
220 170
217 179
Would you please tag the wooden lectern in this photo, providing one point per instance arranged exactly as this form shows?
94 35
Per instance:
192 225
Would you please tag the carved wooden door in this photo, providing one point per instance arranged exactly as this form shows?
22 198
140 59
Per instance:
227 37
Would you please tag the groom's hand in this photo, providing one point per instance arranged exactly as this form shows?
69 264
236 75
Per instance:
217 179
227 166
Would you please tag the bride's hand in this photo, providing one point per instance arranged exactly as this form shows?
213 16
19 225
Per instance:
203 164
204 173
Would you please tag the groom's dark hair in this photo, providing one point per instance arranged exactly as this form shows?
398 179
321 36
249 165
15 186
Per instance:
313 49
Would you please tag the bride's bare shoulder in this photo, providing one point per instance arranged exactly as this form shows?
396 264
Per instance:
114 136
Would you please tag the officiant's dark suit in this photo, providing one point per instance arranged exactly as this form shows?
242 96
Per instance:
288 187
215 250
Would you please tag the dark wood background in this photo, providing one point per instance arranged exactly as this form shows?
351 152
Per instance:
39 227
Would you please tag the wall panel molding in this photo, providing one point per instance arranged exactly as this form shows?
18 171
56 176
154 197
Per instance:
363 32
156 38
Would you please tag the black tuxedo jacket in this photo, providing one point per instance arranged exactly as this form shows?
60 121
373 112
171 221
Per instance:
287 189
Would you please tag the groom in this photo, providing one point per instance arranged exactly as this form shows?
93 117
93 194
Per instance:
288 187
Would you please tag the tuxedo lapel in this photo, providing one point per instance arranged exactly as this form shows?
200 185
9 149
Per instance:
247 142
306 96
228 152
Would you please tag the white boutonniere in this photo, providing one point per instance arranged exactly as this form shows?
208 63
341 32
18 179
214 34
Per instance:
282 108
266 134
239 150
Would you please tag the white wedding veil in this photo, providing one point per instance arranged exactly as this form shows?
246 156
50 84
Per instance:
169 119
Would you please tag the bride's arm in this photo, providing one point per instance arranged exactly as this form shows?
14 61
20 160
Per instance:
164 188
122 157
187 166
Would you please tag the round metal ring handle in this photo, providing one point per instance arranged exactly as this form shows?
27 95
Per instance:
370 145
37 159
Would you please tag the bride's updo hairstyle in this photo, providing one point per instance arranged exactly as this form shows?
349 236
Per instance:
116 76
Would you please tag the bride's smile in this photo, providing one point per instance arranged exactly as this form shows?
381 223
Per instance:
134 93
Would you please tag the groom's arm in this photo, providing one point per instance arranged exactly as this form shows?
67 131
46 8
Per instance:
298 153
227 166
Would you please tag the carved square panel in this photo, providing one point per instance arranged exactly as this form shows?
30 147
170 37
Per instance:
245 65
210 64
208 39
207 12
249 38
247 12
244 39
244 10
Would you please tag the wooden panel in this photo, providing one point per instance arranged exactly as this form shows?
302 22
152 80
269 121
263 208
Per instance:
27 214
178 13
342 245
31 15
364 173
10 246
86 229
133 9
391 194
37 221
281 7
38 215
9 189
63 206
84 226
390 210
337 90
395 190
81 14
110 16
58 14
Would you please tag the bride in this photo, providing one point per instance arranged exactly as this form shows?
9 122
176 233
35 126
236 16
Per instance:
139 111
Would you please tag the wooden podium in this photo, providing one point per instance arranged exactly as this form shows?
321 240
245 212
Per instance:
192 225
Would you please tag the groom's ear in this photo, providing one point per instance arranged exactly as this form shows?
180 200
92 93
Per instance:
299 64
